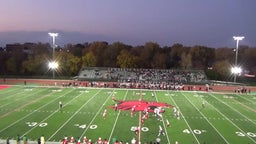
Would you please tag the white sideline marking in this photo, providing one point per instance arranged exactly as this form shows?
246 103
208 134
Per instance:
95 116
27 115
185 121
13 98
206 119
73 114
47 117
163 122
116 119
230 120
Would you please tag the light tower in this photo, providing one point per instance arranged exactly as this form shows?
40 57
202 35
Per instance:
53 65
237 39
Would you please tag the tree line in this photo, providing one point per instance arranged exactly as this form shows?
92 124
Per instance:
31 59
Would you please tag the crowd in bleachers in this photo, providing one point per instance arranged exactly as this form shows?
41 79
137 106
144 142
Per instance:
137 75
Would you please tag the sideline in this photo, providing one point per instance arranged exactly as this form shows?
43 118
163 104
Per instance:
30 142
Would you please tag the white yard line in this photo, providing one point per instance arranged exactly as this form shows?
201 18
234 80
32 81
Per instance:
234 110
13 98
73 114
110 136
184 119
246 98
96 115
232 122
167 136
207 119
29 114
51 115
5 95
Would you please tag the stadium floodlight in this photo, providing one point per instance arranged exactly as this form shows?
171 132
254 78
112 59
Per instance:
237 39
53 35
236 70
53 65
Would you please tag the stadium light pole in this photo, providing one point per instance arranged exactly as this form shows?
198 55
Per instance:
53 35
237 39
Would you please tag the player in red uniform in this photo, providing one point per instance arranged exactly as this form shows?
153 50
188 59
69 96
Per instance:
65 140
84 140
105 141
132 111
78 142
137 130
72 140
142 120
90 141
99 141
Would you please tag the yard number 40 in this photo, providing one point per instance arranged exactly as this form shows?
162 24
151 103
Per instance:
196 131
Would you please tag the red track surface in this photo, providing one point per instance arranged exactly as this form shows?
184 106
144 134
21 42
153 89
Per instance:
4 86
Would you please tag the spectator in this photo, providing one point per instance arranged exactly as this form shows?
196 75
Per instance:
18 139
42 139
7 141
25 139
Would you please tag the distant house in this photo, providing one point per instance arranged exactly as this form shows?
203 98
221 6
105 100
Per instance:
26 47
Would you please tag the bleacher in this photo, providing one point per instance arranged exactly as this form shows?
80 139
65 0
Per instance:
141 75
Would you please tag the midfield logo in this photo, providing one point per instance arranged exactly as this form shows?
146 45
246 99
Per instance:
140 105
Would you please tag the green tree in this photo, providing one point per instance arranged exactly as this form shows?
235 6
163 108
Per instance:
147 54
98 49
222 69
68 63
111 53
35 65
159 61
186 61
11 65
174 56
89 60
201 56
225 54
3 59
126 60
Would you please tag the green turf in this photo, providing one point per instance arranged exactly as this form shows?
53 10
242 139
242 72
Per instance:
34 111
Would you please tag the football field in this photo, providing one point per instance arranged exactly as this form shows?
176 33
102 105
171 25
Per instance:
203 118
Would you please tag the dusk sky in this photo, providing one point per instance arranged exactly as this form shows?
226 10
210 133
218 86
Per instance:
211 23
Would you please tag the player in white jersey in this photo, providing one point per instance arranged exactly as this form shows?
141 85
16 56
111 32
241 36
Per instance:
203 104
115 106
167 123
178 115
175 111
133 141
161 131
105 114
60 105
